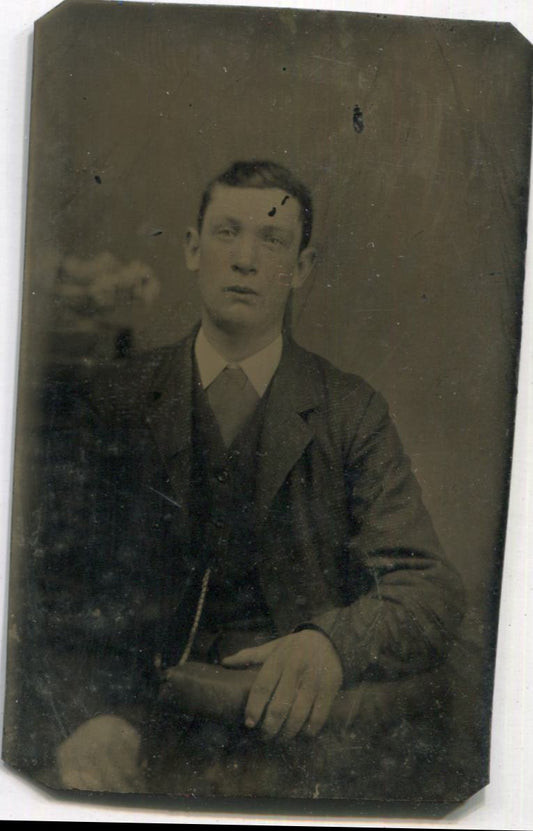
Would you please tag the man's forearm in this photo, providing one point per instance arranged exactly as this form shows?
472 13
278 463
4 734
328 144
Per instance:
405 625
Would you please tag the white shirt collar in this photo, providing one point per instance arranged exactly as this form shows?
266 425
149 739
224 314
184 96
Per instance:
259 368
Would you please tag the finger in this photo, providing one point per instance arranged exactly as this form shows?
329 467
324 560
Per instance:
252 655
261 692
301 708
320 712
280 704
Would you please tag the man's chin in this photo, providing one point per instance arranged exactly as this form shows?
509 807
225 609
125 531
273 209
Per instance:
237 321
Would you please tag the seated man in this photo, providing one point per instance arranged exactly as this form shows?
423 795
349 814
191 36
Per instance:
247 505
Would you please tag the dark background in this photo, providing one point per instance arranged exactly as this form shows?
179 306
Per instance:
420 218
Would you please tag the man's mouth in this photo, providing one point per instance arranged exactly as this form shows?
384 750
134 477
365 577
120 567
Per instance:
239 290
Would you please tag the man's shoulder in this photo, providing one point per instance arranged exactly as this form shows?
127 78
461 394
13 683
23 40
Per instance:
128 386
343 404
151 366
329 379
112 390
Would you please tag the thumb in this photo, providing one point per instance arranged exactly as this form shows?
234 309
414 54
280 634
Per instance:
252 655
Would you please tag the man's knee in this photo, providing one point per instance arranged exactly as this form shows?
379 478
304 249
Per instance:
103 754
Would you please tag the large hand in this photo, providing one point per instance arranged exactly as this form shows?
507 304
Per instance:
300 676
101 755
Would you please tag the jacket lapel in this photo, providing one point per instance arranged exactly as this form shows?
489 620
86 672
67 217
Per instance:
170 421
286 433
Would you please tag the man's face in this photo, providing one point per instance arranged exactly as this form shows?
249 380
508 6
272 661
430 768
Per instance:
247 257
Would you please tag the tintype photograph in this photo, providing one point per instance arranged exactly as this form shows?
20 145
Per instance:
270 337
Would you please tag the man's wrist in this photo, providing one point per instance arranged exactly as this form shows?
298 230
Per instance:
302 627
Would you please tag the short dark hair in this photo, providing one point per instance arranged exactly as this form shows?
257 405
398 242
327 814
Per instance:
263 174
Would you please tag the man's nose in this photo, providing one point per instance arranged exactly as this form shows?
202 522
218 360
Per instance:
245 255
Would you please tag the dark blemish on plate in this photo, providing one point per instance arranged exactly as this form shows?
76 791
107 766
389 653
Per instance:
357 119
285 199
156 233
98 179
272 212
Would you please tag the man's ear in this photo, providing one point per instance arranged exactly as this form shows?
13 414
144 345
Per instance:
192 249
306 261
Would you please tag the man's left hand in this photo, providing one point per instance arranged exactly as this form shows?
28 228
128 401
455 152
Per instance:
300 676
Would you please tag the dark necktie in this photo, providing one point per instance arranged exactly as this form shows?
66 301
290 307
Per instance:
233 400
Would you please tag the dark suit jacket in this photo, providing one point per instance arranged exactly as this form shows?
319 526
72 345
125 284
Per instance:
344 541
112 574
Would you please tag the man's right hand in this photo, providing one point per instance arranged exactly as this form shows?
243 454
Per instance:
300 676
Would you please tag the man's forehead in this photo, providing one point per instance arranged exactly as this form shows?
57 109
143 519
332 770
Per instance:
260 204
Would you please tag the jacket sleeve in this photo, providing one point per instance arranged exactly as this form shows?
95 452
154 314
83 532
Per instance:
406 619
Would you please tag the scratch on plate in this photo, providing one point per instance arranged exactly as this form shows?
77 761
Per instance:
332 60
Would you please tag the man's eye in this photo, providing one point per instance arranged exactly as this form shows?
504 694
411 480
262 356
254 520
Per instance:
271 240
225 233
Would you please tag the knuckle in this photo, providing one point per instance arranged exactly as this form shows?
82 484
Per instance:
299 714
316 723
261 691
258 697
275 715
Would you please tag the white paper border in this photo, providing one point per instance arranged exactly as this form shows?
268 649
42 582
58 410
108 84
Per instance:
508 801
